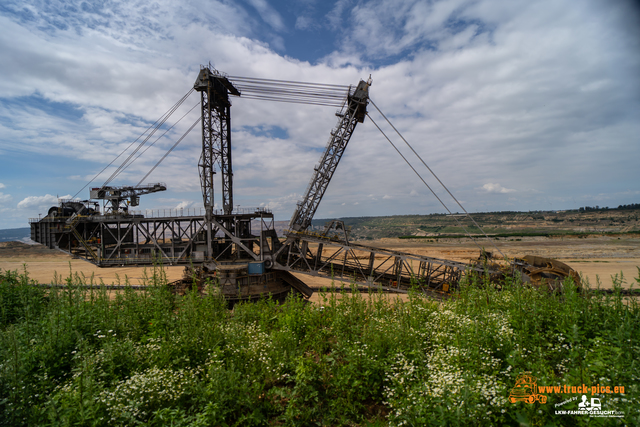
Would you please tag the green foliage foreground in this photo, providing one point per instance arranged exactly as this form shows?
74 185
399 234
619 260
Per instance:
78 357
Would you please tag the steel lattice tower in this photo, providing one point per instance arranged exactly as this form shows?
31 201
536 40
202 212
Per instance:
216 140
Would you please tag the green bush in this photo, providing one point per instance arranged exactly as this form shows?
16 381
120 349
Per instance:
71 356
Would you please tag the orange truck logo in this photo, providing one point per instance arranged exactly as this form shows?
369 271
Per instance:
526 390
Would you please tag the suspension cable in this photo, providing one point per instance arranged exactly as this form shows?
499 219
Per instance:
170 150
162 121
423 181
291 91
163 134
125 150
436 177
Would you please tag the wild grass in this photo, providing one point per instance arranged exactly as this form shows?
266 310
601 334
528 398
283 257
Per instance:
72 356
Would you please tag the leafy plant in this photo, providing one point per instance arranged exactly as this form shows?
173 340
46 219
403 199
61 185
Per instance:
76 356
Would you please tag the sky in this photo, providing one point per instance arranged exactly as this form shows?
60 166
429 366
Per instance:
515 105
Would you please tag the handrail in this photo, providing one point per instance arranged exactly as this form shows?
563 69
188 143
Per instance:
162 213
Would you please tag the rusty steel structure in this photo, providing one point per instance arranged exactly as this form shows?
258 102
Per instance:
240 249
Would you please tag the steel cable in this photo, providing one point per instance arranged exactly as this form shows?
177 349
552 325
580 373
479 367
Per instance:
430 189
163 134
124 165
423 181
321 94
170 150
436 177
290 91
153 125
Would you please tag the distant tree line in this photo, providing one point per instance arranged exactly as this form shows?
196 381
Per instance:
620 207
590 208
631 206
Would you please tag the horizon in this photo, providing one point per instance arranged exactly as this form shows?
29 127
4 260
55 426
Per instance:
444 214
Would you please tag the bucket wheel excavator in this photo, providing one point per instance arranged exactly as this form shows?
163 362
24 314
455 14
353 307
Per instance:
239 251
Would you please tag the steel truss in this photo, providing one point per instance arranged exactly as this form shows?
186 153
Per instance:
328 257
352 113
125 240
214 91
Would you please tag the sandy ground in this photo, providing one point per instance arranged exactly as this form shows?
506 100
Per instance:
595 258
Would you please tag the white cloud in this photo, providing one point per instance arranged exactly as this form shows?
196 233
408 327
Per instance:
40 201
303 22
4 198
2 185
496 188
184 205
283 205
268 14
486 91
388 27
335 15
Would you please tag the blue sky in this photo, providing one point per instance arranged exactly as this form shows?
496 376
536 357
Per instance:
516 105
